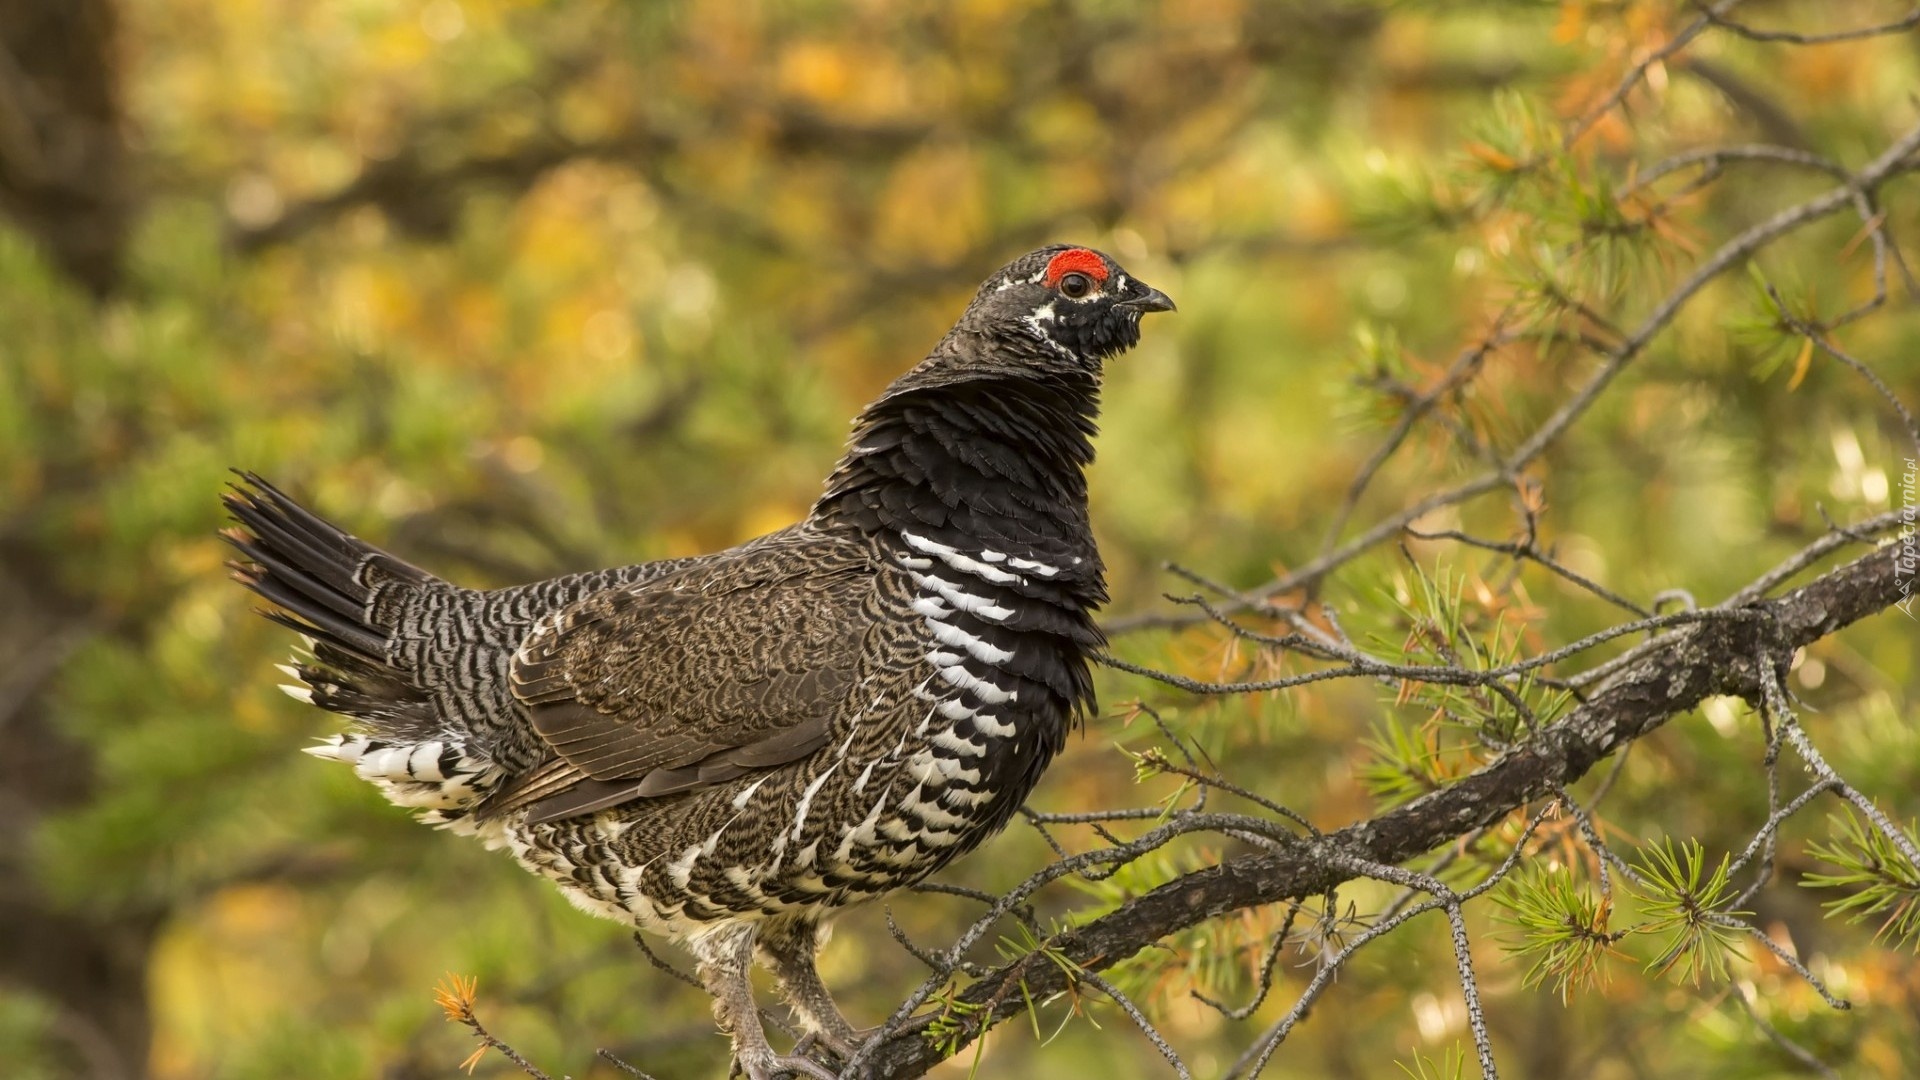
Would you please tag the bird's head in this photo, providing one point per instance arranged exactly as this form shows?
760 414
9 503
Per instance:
1019 372
1075 303
1052 314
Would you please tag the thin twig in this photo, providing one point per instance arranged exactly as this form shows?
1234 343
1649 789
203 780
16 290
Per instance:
1789 724
617 1062
1820 341
1901 25
1139 1019
1639 70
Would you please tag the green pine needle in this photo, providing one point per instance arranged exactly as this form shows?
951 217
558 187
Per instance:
1681 898
1880 880
1562 926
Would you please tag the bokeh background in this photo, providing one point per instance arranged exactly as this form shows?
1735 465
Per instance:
516 287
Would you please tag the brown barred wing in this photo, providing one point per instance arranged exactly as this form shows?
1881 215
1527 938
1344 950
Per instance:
693 680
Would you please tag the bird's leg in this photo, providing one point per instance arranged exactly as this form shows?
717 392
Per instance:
725 962
787 947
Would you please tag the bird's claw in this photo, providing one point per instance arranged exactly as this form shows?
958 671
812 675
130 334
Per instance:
784 1067
843 1045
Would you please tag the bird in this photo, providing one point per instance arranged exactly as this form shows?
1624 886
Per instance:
723 750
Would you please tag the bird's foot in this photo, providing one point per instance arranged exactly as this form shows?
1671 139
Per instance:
842 1045
772 1066
847 1041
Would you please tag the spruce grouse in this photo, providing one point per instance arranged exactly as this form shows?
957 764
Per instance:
724 749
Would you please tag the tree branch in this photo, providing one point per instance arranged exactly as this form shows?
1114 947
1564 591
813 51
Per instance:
1718 657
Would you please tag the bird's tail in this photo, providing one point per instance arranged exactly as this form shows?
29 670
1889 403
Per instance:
350 602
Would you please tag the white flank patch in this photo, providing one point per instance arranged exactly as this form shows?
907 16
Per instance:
947 740
921 543
991 725
984 690
680 870
952 557
806 799
959 796
930 811
740 800
944 659
1037 567
714 840
742 881
949 634
630 876
925 765
862 834
963 601
981 569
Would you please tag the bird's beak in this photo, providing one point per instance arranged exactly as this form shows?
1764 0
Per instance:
1154 300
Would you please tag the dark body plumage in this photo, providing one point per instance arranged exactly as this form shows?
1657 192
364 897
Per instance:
726 748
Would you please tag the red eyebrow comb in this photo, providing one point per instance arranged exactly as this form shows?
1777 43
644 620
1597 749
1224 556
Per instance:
1072 260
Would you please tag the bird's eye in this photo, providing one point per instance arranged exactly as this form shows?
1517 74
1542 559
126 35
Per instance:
1075 286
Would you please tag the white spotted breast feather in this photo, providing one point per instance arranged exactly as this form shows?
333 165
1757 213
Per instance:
1001 682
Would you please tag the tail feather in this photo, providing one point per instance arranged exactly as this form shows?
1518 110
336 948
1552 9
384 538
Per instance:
306 605
310 569
420 665
345 598
342 682
283 526
328 586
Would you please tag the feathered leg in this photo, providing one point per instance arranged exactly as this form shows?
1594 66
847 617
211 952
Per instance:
725 964
787 948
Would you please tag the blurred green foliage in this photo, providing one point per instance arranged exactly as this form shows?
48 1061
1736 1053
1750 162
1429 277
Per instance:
514 287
